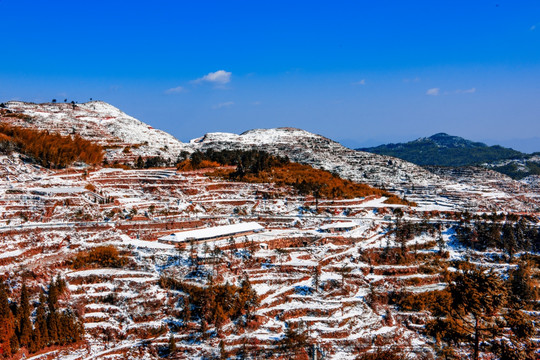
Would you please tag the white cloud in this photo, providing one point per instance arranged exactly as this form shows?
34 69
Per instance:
175 90
361 82
532 27
220 77
256 103
433 91
223 104
466 91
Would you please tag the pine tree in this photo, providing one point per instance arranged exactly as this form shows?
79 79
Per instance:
52 297
316 277
41 322
522 289
248 298
509 240
293 340
36 340
52 327
474 313
172 344
140 163
204 329
25 325
7 325
186 312
219 318
222 352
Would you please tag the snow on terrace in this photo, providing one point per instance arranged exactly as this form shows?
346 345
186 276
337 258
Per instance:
213 232
58 190
339 226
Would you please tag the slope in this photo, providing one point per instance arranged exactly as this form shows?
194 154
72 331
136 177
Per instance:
315 150
124 137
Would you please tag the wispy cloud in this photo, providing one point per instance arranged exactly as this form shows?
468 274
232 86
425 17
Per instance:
223 104
466 91
433 91
175 90
416 79
256 103
361 82
437 91
220 77
532 28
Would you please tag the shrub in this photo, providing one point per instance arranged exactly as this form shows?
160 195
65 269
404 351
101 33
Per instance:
101 256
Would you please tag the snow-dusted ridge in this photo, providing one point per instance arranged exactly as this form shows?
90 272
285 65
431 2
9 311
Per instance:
101 122
126 138
316 150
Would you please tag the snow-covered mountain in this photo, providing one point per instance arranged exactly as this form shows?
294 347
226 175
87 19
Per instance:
123 136
308 148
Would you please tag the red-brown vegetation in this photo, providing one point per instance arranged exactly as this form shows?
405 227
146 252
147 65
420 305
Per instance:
51 150
101 256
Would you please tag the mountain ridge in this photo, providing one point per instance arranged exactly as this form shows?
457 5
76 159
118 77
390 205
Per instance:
442 149
115 130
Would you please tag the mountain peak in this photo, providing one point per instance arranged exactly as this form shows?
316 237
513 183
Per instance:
445 140
442 149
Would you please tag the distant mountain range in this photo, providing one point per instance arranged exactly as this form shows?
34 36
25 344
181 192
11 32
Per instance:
446 150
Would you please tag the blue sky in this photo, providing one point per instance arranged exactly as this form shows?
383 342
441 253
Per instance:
360 72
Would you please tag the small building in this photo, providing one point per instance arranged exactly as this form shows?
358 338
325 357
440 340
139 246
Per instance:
338 227
213 233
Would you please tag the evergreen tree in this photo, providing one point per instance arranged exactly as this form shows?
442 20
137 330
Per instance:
474 313
509 240
7 325
41 322
25 325
35 345
220 317
140 163
248 298
172 344
186 312
293 340
204 329
222 352
316 277
521 286
52 327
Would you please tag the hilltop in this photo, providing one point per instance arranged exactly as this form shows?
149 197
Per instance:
123 137
446 150
320 152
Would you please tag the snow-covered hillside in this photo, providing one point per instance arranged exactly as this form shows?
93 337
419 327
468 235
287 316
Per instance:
330 270
307 148
102 123
126 138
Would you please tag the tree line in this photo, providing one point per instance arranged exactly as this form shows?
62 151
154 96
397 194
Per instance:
50 326
49 150
509 236
258 166
214 304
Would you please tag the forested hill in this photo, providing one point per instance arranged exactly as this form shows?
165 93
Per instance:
446 150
